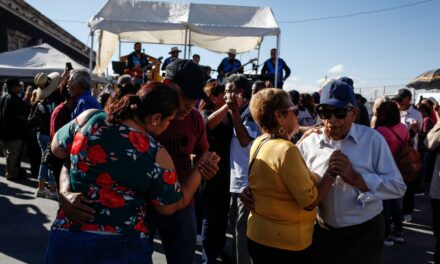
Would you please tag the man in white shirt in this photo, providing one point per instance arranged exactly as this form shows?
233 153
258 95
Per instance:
413 120
237 96
351 227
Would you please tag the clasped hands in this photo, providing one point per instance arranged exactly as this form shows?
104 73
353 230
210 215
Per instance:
340 165
207 164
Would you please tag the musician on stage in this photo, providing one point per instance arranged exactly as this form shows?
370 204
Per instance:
137 60
174 52
229 65
269 68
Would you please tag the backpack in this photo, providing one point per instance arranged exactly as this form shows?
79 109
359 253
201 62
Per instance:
408 160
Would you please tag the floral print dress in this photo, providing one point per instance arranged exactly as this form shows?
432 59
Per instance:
115 166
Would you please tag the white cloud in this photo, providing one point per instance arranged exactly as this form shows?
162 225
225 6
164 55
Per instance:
337 69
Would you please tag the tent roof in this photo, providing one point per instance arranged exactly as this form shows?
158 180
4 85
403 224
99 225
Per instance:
218 20
213 27
29 61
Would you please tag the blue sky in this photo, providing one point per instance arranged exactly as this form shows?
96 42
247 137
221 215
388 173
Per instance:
381 49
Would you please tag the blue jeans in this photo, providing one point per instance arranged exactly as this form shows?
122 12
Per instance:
45 174
85 247
178 234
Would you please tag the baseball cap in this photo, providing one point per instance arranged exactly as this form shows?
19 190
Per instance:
189 76
347 80
338 94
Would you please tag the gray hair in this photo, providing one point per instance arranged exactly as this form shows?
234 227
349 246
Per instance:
81 77
124 79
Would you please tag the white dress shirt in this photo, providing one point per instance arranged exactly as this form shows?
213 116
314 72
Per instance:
371 157
410 116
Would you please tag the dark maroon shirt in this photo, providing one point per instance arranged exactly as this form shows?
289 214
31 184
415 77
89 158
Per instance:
59 117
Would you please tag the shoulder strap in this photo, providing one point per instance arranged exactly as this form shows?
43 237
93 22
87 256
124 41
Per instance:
257 150
397 136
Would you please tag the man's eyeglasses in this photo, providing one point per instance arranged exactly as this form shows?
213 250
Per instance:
339 113
294 109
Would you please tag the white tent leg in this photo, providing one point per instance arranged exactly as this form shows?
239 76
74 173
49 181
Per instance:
276 61
189 44
120 44
258 59
186 43
91 51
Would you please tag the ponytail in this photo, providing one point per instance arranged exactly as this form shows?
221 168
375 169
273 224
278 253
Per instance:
125 108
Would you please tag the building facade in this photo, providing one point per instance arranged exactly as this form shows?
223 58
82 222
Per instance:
22 26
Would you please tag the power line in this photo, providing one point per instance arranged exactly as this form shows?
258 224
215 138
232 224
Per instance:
354 14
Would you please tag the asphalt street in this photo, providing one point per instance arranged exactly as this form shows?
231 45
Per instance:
25 221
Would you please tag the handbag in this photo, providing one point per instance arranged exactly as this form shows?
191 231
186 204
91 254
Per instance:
408 160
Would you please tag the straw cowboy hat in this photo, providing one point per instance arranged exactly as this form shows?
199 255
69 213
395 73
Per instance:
232 51
174 49
47 84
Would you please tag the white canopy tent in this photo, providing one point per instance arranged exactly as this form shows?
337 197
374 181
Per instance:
213 27
29 61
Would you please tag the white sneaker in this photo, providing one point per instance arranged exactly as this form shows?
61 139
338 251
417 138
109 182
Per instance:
389 241
407 218
41 193
52 195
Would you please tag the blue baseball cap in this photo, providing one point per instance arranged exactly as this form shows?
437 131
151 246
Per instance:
347 80
338 94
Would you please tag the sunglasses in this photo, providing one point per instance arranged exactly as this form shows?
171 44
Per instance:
339 113
294 109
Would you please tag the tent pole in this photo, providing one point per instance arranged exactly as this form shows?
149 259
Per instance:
258 59
189 44
119 39
186 43
276 61
91 51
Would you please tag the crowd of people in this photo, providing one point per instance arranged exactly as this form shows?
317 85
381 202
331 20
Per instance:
297 177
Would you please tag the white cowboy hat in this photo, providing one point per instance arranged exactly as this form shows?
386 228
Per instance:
232 51
47 84
173 49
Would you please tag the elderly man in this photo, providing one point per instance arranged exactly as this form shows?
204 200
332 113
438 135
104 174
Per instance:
79 85
350 226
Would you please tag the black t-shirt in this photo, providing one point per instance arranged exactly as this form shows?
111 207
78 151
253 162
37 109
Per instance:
219 140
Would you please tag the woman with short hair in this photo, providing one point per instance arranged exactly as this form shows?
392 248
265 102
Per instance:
285 191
